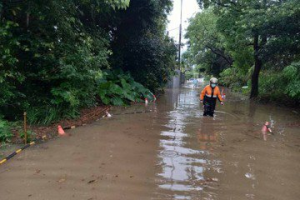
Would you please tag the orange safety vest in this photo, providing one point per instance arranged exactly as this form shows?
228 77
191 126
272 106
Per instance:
207 91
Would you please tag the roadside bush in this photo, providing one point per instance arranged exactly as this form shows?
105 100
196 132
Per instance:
233 78
30 135
281 86
271 85
5 132
118 88
49 113
292 75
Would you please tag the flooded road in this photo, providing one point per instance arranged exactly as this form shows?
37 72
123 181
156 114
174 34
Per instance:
172 152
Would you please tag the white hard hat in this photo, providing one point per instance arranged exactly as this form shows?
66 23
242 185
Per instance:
213 80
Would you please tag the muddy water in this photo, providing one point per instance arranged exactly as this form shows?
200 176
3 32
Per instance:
172 152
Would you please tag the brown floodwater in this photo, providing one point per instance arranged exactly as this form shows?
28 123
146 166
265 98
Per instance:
168 152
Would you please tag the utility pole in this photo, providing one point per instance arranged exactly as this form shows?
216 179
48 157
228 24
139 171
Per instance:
180 30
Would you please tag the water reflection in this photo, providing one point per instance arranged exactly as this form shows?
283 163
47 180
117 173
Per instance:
185 149
226 157
206 136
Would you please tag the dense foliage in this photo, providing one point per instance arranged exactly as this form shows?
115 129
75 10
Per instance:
5 132
240 40
53 53
50 57
283 85
140 45
117 88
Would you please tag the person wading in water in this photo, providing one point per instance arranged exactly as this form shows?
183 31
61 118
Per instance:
209 97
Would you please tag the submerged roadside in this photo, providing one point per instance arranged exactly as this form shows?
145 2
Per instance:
45 132
165 150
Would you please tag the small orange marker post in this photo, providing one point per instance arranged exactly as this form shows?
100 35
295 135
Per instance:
266 127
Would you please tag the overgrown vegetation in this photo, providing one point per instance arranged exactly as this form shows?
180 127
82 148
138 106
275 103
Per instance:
5 132
249 43
281 86
117 88
57 57
140 45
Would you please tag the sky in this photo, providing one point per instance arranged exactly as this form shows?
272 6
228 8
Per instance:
189 9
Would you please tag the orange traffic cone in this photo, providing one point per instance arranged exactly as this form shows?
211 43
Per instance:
266 127
61 131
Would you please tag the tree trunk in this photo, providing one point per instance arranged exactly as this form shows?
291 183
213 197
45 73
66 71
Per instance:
258 61
257 68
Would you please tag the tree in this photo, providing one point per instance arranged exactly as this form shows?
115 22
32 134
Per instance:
140 45
52 53
206 42
263 25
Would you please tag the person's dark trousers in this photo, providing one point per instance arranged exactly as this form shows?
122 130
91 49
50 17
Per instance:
209 106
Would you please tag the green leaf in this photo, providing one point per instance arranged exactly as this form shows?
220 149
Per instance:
117 101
